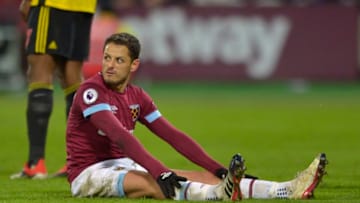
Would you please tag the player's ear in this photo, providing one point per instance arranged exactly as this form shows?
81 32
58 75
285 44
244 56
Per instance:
135 65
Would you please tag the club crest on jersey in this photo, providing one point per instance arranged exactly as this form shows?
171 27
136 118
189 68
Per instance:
135 111
90 96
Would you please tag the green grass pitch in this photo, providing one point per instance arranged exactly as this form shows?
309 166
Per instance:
278 128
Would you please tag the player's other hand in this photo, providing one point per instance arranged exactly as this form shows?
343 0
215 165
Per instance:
168 181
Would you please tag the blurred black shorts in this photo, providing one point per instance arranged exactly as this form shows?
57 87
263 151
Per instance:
58 32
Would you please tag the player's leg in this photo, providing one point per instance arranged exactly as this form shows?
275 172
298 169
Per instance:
40 80
78 38
198 176
302 187
40 102
117 178
72 39
74 48
69 74
227 189
39 108
138 184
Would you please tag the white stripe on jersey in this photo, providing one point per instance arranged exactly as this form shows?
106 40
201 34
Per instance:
151 117
96 108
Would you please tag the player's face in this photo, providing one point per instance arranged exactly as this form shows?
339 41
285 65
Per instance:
117 66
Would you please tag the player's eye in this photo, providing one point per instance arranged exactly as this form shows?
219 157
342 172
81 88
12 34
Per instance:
120 60
107 58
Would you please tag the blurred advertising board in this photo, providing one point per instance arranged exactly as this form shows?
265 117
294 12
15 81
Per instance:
11 75
11 39
237 44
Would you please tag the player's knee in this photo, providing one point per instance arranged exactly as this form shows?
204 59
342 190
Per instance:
152 188
42 68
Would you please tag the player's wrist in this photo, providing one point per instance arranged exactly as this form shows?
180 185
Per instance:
168 181
221 173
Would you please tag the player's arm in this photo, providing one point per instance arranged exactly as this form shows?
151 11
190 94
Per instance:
185 145
117 133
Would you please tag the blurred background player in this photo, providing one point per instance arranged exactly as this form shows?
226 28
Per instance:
58 36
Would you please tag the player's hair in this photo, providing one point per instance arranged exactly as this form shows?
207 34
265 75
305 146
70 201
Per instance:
125 39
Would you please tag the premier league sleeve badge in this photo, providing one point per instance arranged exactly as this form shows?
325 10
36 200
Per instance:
90 96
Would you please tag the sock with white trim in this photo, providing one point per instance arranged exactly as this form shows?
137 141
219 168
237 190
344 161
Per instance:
263 189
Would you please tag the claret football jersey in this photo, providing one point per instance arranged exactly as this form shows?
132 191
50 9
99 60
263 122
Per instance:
86 144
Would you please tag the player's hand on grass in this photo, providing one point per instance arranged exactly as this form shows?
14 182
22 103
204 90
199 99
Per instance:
168 181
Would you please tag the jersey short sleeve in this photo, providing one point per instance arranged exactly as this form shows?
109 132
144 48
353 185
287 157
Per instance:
92 98
149 112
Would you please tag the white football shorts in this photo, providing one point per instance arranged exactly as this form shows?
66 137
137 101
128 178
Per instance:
104 179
